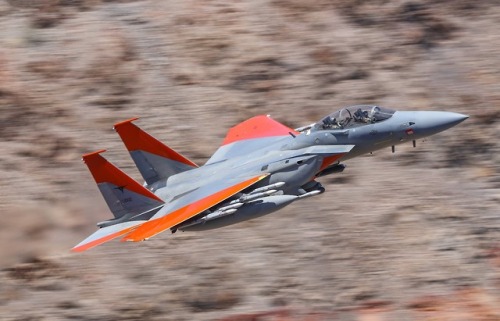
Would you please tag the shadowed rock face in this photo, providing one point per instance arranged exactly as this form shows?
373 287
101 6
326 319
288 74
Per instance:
409 236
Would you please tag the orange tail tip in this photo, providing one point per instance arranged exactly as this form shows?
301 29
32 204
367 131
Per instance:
154 160
125 122
105 172
135 139
85 156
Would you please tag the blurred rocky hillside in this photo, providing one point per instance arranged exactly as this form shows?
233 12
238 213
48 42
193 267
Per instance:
408 236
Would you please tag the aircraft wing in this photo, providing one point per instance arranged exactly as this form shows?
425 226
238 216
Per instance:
106 234
256 133
190 205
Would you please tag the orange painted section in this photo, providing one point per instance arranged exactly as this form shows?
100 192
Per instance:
104 239
86 156
105 172
135 138
329 160
257 127
125 122
159 225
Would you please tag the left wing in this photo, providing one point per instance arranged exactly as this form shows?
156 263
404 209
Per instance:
256 133
197 202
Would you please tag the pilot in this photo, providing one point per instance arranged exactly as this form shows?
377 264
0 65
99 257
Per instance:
361 116
330 122
366 118
358 115
327 122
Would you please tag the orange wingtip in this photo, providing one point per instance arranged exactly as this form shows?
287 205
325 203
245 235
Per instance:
101 240
156 226
257 127
125 121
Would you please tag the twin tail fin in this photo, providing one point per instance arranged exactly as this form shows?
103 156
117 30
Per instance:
123 195
131 203
154 160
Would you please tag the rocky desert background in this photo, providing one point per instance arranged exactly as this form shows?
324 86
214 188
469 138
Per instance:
413 235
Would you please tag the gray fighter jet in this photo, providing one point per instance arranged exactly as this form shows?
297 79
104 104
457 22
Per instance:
261 167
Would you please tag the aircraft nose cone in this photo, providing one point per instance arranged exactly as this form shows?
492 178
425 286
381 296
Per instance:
452 119
432 122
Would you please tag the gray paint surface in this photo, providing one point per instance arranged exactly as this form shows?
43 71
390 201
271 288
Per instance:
291 160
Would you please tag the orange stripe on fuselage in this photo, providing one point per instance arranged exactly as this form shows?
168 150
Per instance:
156 226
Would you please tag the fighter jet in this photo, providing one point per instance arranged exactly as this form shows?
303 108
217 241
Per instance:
261 167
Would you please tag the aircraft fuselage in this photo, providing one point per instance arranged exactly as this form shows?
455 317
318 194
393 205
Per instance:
294 160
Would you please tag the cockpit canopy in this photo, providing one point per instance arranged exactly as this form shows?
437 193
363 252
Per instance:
354 116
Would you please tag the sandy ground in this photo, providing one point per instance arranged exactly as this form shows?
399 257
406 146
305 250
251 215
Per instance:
413 235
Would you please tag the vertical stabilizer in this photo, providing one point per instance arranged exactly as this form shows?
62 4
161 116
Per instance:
154 159
124 195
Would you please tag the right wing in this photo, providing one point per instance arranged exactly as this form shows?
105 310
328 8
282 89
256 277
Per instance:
175 213
106 234
191 205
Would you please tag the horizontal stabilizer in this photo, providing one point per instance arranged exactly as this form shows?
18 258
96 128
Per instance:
154 159
124 195
106 234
